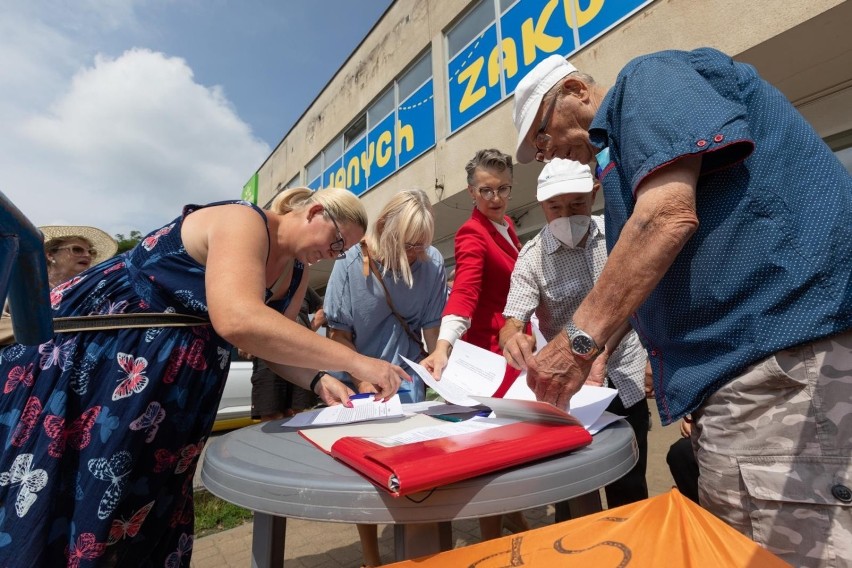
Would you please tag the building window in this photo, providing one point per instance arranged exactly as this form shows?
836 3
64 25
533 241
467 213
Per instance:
295 182
470 27
333 151
416 75
313 171
380 109
355 132
506 4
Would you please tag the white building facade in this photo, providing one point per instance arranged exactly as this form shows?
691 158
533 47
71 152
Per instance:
433 82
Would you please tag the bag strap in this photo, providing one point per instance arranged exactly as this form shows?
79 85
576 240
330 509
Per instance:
124 321
369 262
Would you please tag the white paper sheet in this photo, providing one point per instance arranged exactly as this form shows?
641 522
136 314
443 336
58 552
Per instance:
470 370
362 409
588 405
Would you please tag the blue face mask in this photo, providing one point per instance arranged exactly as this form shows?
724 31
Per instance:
570 230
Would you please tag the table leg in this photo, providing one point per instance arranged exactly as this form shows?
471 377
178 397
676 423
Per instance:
578 506
420 539
267 541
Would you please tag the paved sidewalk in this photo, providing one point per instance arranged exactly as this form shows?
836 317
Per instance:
313 544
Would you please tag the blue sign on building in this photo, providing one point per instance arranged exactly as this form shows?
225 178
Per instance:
528 32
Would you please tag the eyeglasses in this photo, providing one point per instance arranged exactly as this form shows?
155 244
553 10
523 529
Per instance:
78 250
542 140
338 245
489 193
414 247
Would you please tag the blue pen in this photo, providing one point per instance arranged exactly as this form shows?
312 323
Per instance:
362 395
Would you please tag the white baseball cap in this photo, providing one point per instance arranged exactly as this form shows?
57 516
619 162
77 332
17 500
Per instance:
528 95
563 176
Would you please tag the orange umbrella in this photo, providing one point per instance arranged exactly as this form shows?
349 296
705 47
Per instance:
667 530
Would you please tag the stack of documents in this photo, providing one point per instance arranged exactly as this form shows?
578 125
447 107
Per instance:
473 372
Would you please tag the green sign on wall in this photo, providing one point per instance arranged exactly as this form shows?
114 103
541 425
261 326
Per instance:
250 190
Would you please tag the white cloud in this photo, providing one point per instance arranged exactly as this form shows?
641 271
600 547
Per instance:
122 144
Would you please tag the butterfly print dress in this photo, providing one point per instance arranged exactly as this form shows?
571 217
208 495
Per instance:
101 431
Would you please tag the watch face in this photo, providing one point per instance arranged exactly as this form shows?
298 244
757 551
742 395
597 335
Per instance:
582 344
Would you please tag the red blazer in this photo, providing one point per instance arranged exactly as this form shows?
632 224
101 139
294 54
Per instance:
484 263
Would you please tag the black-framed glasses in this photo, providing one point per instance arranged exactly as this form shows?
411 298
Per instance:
542 139
489 193
78 250
338 245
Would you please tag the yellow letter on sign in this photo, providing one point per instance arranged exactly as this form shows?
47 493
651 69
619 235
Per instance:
510 61
533 37
471 74
383 149
583 16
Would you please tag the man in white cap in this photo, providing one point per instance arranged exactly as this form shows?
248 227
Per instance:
554 272
727 223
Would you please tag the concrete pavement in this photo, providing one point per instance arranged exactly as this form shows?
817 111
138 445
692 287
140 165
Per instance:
313 544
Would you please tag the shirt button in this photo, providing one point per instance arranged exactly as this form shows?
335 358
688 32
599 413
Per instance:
842 493
718 138
701 143
653 353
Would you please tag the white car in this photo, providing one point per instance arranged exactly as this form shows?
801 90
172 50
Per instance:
235 406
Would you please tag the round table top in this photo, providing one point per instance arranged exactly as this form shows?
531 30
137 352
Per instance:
272 469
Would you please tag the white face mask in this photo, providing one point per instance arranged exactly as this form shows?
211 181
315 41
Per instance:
570 230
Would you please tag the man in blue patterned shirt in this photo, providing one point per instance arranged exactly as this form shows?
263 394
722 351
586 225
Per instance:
554 272
727 220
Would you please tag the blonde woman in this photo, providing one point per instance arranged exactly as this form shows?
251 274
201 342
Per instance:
386 296
385 299
112 421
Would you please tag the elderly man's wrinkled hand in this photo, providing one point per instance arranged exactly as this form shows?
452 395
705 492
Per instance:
556 374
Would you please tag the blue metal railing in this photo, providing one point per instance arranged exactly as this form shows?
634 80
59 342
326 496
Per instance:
23 276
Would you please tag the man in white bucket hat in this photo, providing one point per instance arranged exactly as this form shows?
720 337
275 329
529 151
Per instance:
729 244
554 272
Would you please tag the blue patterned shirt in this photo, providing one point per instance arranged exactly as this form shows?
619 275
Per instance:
769 266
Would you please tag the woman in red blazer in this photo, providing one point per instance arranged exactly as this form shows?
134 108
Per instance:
486 247
486 250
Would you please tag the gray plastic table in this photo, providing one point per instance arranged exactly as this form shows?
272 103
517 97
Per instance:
276 473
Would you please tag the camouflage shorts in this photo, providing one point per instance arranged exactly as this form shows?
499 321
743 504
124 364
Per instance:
774 447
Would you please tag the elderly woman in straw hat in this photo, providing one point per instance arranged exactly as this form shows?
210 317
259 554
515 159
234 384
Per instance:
69 251
72 249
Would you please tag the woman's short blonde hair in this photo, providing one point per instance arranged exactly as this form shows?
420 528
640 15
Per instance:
340 204
406 218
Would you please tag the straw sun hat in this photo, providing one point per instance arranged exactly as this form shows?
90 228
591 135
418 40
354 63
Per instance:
100 240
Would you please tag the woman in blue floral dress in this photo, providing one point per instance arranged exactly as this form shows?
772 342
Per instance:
102 430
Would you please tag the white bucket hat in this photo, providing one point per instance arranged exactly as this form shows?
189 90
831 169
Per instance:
563 176
528 95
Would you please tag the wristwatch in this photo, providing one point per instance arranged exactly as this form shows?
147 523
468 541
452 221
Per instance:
583 346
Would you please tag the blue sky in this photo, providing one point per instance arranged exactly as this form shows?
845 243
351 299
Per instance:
118 112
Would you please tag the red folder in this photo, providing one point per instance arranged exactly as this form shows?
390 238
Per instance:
418 466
